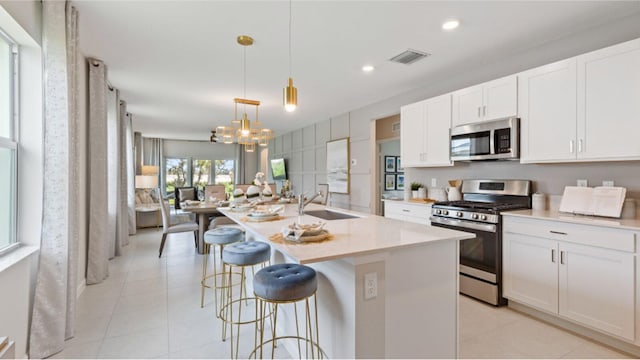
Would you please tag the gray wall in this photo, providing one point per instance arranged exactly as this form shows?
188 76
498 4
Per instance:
306 170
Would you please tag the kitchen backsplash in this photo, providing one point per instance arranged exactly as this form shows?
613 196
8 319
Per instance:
547 178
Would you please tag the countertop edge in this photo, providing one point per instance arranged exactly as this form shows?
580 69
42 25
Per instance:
623 224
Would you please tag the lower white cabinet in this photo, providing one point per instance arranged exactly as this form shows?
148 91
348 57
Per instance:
417 213
577 272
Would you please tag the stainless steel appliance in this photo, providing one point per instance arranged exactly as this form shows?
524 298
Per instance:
487 140
479 212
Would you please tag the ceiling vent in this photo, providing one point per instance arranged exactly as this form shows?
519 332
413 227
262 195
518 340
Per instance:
409 56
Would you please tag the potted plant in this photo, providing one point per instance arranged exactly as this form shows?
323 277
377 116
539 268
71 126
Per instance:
414 189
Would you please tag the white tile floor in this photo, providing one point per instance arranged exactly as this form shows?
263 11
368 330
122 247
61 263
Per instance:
150 308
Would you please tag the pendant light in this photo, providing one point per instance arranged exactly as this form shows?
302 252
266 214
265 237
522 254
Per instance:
290 94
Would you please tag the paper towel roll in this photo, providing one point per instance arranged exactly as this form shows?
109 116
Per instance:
539 201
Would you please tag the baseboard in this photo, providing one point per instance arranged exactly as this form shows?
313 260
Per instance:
80 288
616 344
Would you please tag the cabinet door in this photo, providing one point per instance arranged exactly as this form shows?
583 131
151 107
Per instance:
608 103
393 210
411 134
530 271
500 98
597 288
547 110
467 105
438 124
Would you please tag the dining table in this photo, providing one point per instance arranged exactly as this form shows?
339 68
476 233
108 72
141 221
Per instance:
203 210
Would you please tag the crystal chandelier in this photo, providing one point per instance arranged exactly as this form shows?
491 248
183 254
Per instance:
241 130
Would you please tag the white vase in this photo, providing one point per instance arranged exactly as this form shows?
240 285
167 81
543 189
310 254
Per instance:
414 194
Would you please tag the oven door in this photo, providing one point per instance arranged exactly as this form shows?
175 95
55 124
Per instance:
479 257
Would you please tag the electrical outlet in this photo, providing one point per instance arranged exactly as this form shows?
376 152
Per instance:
583 183
354 162
607 183
370 285
434 182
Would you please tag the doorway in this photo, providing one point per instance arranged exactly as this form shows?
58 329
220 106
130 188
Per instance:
387 146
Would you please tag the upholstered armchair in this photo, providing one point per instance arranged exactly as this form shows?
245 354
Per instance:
147 208
183 194
215 191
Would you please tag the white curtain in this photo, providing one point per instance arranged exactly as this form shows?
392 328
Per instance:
152 154
128 208
113 170
99 243
53 317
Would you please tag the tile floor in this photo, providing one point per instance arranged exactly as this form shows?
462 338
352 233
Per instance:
150 308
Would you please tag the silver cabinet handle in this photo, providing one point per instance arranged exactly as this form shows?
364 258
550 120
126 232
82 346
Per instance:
405 210
562 257
557 232
478 111
553 255
571 146
580 145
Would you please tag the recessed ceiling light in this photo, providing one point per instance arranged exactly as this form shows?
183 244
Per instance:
450 24
368 68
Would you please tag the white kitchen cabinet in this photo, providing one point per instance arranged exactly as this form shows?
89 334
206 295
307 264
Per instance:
530 271
584 108
424 132
417 213
547 111
608 103
492 100
581 273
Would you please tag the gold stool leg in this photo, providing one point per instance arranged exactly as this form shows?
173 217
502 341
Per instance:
204 273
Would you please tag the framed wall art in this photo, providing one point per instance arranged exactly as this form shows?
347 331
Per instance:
390 182
389 164
400 182
338 166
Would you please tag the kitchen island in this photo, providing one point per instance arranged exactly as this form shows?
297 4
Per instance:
415 311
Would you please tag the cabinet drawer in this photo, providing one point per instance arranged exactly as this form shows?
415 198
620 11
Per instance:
608 238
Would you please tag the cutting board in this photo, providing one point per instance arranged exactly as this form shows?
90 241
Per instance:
599 201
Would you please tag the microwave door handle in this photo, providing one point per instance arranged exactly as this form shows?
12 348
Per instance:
492 143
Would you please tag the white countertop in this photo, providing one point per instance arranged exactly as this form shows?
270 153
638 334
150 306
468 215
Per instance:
629 224
367 234
402 201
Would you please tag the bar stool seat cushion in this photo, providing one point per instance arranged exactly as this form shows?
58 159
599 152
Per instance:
223 236
246 253
285 282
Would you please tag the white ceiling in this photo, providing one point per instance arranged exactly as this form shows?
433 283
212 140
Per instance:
178 66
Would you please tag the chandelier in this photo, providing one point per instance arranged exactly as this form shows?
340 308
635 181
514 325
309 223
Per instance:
241 130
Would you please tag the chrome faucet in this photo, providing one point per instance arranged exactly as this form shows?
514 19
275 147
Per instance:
302 203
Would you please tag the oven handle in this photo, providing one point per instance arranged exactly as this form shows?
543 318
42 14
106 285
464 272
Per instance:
463 224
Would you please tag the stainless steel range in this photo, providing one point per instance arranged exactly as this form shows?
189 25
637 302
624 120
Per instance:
479 213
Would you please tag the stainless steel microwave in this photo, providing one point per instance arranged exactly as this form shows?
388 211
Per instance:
487 140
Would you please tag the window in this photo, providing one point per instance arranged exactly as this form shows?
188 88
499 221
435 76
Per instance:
8 140
223 174
201 171
176 174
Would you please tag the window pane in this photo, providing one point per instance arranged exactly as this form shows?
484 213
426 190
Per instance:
201 171
7 186
224 174
6 87
176 174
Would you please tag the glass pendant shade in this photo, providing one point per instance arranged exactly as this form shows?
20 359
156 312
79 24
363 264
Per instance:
245 126
290 97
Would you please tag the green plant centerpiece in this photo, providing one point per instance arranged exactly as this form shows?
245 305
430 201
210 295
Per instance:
415 186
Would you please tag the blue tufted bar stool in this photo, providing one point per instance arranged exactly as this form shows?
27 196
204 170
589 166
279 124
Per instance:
288 283
243 255
221 237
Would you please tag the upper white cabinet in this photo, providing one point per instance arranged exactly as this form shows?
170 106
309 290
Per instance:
424 132
609 103
488 101
547 111
582 109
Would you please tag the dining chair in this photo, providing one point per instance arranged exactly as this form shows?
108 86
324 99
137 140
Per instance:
168 228
215 191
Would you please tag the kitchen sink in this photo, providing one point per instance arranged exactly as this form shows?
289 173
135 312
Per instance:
330 215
